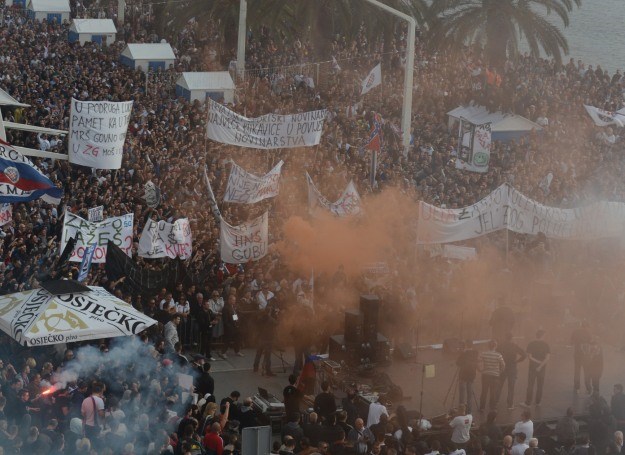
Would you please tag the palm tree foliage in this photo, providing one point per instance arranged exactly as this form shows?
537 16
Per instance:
320 19
499 25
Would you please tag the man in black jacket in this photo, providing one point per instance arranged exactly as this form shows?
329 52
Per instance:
206 383
325 405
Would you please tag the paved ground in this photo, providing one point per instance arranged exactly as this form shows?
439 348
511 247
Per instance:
236 373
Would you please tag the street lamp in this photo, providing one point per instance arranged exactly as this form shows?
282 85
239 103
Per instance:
241 41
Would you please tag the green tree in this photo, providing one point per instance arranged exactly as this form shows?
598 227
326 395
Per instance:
318 20
499 25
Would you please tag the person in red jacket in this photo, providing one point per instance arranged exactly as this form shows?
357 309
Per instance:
213 444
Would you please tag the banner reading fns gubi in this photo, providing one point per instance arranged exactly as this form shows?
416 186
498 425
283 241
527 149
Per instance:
246 242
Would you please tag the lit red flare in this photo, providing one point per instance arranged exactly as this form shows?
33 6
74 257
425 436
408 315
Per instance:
48 391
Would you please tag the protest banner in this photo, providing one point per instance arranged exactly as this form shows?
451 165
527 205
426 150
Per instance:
271 131
117 230
162 239
96 214
152 194
246 188
507 208
6 214
246 242
211 197
97 132
474 144
348 204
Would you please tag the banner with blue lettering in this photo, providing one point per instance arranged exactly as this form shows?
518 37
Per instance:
246 242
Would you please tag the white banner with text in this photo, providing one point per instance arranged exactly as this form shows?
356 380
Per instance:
270 131
97 132
246 188
117 230
246 242
506 208
162 239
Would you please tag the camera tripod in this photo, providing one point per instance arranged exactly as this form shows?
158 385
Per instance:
453 388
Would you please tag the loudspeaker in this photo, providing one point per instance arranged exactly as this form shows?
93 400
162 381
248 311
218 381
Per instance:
370 309
452 346
337 349
353 326
382 352
405 351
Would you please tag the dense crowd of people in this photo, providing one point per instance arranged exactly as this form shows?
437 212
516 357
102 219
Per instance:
166 144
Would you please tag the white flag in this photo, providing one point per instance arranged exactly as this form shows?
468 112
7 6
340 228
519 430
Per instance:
373 79
606 118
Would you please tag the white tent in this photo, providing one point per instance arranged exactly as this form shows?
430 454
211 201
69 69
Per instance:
38 318
50 10
504 127
146 56
95 30
217 85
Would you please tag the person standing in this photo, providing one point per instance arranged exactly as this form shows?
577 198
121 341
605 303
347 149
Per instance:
512 354
467 370
171 333
580 338
595 363
492 366
461 427
92 411
325 404
538 352
268 326
232 336
617 407
292 397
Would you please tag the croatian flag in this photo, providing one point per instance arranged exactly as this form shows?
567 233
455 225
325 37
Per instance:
21 181
375 134
373 79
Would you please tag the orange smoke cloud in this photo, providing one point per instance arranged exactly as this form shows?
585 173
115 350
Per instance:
325 241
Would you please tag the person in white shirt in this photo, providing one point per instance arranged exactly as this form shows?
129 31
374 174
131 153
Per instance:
264 296
376 409
168 304
520 445
44 143
461 427
92 410
525 426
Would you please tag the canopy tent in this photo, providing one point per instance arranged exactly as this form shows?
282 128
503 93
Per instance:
148 56
98 31
50 10
8 100
504 127
38 318
217 85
